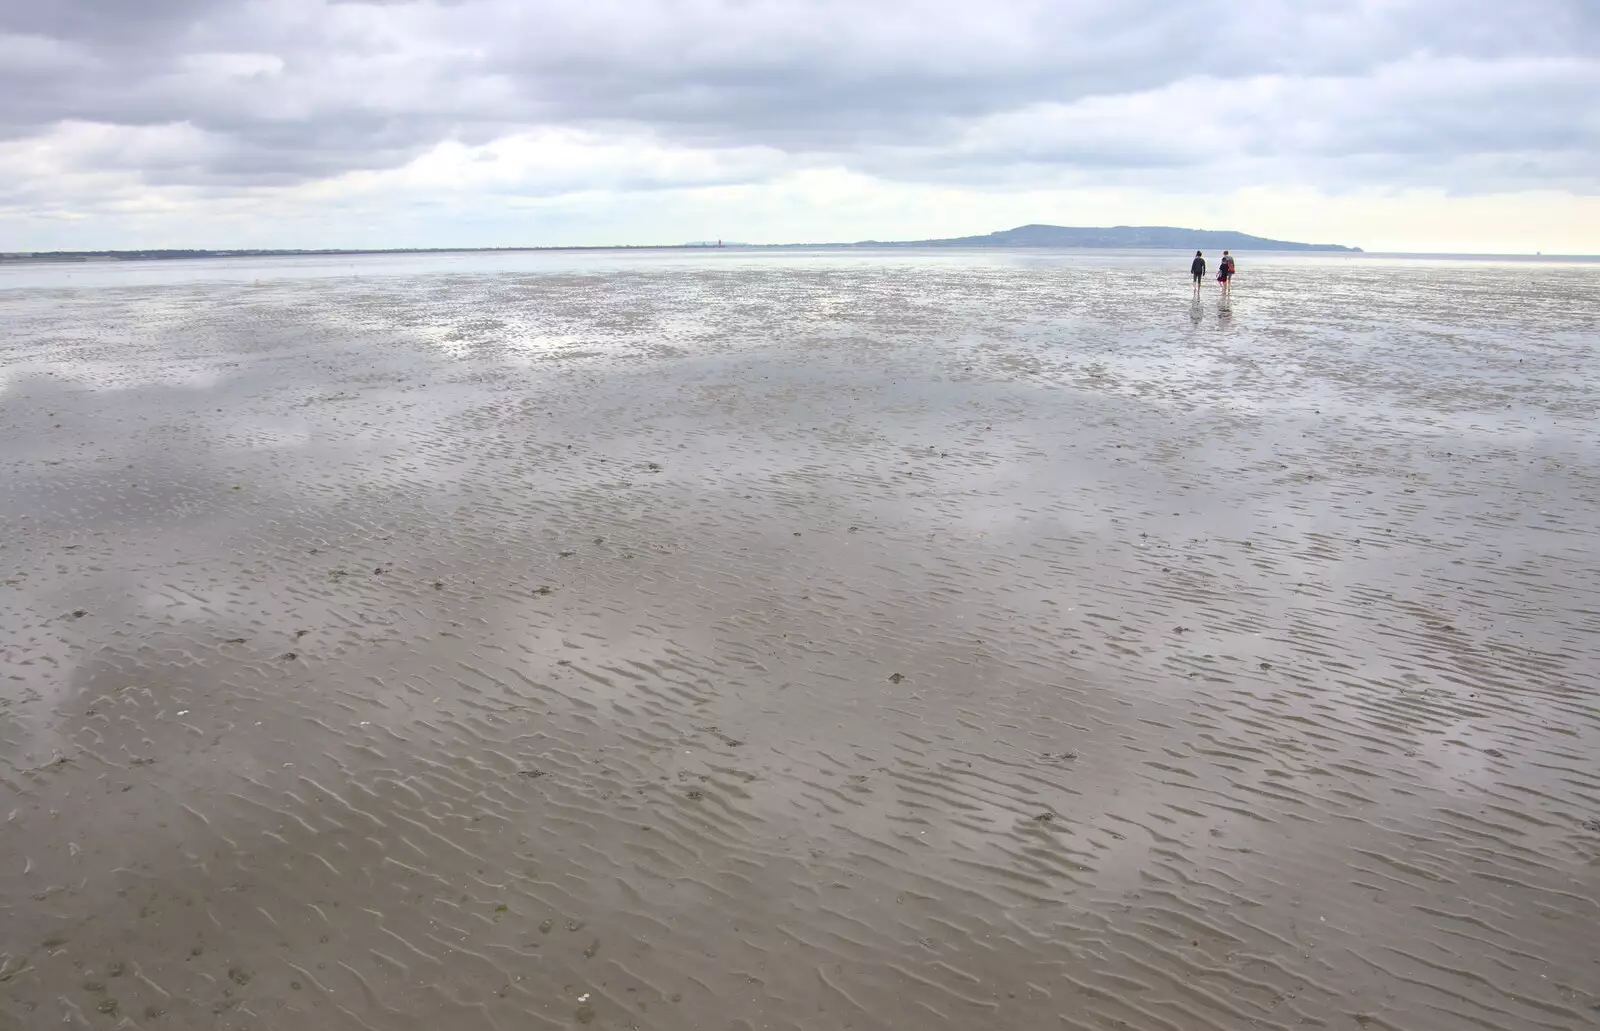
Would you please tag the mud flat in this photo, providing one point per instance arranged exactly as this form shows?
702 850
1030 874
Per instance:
801 641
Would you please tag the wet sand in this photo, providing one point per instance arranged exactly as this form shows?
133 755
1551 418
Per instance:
801 641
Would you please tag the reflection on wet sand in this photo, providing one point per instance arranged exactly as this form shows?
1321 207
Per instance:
801 643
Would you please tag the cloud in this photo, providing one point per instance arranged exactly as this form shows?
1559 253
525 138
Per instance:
1464 125
163 105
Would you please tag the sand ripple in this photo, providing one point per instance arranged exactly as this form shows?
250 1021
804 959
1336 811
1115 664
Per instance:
801 643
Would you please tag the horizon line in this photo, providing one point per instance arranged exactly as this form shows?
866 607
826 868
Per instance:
202 253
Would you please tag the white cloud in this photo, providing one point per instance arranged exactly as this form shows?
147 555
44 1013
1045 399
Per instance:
457 121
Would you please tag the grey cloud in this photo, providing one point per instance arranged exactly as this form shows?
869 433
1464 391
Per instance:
891 87
112 22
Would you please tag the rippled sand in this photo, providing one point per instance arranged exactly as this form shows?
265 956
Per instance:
799 641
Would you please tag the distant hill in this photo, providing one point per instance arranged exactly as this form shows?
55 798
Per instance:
1152 237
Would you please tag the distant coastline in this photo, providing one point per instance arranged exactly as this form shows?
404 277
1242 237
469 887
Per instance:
1029 236
1035 237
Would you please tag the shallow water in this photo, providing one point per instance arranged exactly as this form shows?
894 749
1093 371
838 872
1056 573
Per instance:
799 641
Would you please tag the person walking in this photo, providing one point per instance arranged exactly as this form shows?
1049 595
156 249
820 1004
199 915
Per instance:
1197 269
1225 274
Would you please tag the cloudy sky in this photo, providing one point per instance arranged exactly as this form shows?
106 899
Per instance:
1440 125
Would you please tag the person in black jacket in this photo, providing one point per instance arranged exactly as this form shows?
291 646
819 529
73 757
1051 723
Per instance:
1197 269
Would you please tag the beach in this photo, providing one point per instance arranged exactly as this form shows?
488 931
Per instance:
797 640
